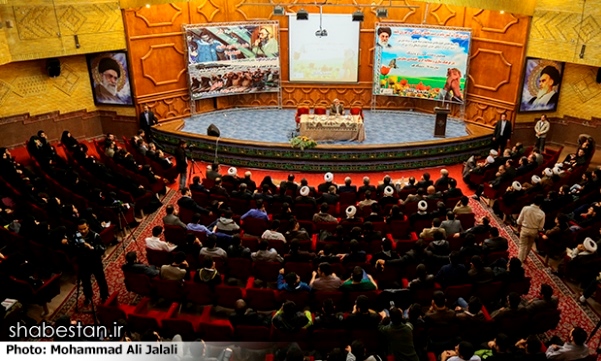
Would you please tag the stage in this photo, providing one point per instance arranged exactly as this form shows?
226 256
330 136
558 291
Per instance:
258 138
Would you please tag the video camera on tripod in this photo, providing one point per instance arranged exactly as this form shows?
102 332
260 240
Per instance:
119 206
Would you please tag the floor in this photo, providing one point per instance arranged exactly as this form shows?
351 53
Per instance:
278 126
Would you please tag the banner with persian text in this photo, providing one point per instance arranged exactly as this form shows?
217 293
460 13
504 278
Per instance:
233 58
421 62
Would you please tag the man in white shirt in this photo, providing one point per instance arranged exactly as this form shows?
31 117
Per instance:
530 221
155 243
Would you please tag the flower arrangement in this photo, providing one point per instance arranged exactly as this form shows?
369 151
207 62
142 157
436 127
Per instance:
302 142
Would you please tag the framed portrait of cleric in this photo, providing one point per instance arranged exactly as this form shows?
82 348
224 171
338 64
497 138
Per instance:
541 85
109 76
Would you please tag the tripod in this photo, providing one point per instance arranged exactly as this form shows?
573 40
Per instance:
193 169
124 227
77 293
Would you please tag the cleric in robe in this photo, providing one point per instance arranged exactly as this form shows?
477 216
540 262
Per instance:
111 85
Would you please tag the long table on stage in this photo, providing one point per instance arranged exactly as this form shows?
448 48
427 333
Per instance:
323 127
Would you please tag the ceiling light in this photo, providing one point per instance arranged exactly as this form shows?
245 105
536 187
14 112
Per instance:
358 16
382 13
502 12
302 14
279 10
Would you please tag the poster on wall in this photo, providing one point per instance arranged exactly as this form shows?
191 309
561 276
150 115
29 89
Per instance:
540 86
109 76
421 62
233 58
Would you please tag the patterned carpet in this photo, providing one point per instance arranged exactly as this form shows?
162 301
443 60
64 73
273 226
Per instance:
572 312
277 126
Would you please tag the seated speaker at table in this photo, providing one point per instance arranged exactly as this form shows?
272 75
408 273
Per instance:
337 108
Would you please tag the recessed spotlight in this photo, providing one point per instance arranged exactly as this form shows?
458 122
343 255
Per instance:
279 10
502 12
382 13
148 6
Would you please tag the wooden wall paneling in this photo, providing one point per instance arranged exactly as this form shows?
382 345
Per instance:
158 65
486 112
504 81
157 20
169 106
284 50
493 25
208 11
445 15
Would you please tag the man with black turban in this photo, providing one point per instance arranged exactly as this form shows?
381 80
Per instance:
106 90
548 82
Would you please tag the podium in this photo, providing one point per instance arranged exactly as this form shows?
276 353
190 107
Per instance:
440 125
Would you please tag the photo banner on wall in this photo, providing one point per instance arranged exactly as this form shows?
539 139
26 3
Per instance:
233 58
421 62
541 84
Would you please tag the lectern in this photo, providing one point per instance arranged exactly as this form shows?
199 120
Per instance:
440 125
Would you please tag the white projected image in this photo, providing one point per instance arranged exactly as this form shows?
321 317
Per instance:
331 58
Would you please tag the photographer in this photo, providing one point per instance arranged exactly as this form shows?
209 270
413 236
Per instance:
90 252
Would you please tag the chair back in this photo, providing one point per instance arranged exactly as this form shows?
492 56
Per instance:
262 299
138 283
158 258
168 290
254 226
266 271
175 234
198 293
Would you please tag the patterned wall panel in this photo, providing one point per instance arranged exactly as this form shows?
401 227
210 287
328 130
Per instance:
47 28
208 11
158 65
157 20
580 95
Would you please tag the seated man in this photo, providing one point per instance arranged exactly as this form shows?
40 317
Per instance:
210 248
176 271
347 187
187 202
494 243
288 318
362 316
439 313
513 308
359 281
336 108
574 349
323 216
265 255
208 273
196 226
171 217
451 225
330 197
463 206
478 273
272 233
428 233
157 244
134 266
327 280
291 282
258 213
463 352
243 315
545 302
453 273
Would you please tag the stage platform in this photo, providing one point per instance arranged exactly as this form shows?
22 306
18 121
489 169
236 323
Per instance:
258 138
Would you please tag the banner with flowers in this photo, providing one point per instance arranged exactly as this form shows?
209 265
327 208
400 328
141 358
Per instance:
421 62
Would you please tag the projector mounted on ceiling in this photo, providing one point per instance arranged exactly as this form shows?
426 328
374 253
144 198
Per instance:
321 33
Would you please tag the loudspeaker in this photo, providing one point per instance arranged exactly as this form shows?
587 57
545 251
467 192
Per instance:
213 131
599 76
53 66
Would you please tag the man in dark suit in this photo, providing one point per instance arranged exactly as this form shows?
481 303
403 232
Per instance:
366 186
502 133
187 202
495 243
330 197
147 119
347 187
181 164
